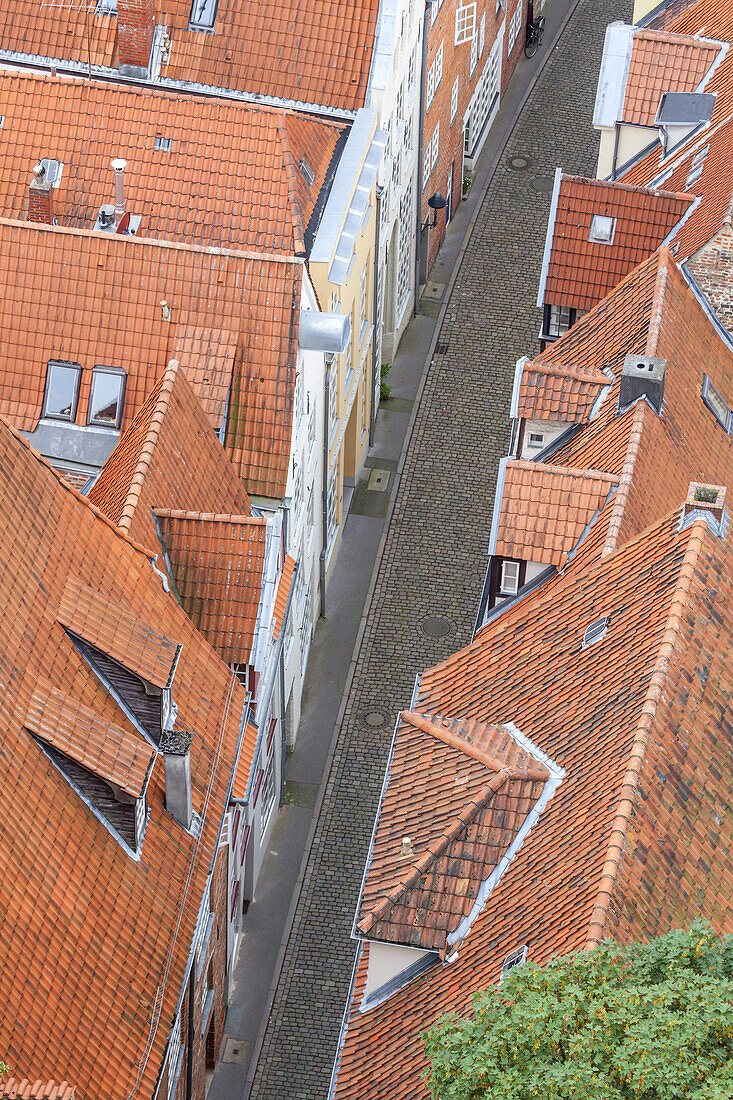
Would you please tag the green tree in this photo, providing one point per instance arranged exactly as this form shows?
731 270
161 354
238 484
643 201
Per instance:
642 1022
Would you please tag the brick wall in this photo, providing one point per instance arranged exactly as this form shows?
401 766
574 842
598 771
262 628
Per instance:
712 266
135 27
40 203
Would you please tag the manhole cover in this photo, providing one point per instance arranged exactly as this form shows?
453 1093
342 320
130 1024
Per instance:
519 161
375 719
435 626
542 183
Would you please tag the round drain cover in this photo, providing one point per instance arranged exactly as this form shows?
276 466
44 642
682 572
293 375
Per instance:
375 719
519 161
435 626
542 183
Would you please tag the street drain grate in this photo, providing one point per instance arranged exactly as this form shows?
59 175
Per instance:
435 626
375 719
519 161
442 349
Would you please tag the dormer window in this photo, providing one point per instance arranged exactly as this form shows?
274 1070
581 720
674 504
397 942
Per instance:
509 584
602 229
106 397
61 397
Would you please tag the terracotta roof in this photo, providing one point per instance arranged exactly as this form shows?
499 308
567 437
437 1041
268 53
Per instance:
546 508
91 278
662 63
457 795
93 959
16 1089
233 189
77 731
550 391
207 357
217 563
581 271
168 457
284 588
303 50
601 713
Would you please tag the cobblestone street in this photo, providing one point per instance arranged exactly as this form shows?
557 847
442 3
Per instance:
436 547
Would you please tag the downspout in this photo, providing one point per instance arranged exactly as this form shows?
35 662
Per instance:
191 1006
283 731
377 343
324 484
420 135
616 132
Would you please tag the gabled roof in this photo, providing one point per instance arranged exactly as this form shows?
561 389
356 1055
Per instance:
554 391
217 563
235 190
544 509
457 794
661 63
80 914
315 52
602 714
101 305
168 457
581 271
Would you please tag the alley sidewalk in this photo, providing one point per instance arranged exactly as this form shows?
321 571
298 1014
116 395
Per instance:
408 579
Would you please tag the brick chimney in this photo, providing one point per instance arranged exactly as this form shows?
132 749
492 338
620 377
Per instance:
709 499
135 29
40 197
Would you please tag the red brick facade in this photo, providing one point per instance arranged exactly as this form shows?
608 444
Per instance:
712 267
135 27
447 111
209 1011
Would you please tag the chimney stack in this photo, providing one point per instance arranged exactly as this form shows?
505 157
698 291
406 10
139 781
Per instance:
119 166
642 376
175 746
135 30
40 197
708 499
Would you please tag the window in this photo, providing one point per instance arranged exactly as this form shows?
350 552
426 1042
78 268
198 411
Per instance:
434 12
400 101
602 229
454 102
396 169
404 251
412 68
363 312
535 439
718 407
267 793
435 147
297 486
203 15
465 23
332 503
696 166
165 144
175 1055
106 397
558 319
509 585
106 7
515 958
62 391
311 512
595 631
312 425
348 364
474 55
484 99
306 171
439 66
481 34
333 398
430 86
515 26
427 166
408 136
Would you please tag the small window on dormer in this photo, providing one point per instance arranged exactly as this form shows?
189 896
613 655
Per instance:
165 144
306 171
535 440
509 584
602 229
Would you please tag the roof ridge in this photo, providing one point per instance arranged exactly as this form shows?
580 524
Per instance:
635 188
678 39
624 482
566 370
436 848
149 444
660 291
589 472
617 840
289 165
420 722
210 517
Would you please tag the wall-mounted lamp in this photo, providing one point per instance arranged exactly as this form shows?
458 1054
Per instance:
436 202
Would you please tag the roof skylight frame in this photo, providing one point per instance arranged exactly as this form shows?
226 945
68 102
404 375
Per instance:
595 632
306 171
717 404
515 958
203 15
602 229
162 143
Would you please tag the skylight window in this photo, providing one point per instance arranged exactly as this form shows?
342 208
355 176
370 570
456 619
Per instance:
515 958
696 166
106 397
306 171
203 15
165 144
595 632
62 391
602 229
718 407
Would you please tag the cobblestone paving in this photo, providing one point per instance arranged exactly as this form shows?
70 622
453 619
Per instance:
437 543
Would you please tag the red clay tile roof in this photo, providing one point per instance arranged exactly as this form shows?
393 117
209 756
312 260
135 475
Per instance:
207 357
168 458
217 563
233 190
580 271
13 1088
550 391
91 932
101 305
77 731
457 794
602 714
546 508
660 63
284 588
302 50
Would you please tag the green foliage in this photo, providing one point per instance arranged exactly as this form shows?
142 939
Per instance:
385 390
4 1068
650 1022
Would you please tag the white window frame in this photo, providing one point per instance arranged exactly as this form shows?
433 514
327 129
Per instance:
482 34
465 23
515 25
430 86
333 399
474 55
509 587
427 165
332 524
267 794
435 146
535 440
454 101
434 12
515 958
438 66
363 305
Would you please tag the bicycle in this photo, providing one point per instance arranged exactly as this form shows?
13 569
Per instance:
534 36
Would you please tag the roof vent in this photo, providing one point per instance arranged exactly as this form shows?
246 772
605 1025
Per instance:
706 499
642 376
595 631
114 219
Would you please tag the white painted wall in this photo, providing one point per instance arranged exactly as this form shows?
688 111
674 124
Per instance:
387 960
548 429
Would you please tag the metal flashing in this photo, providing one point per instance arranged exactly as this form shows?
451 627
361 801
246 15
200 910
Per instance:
498 500
549 237
613 75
